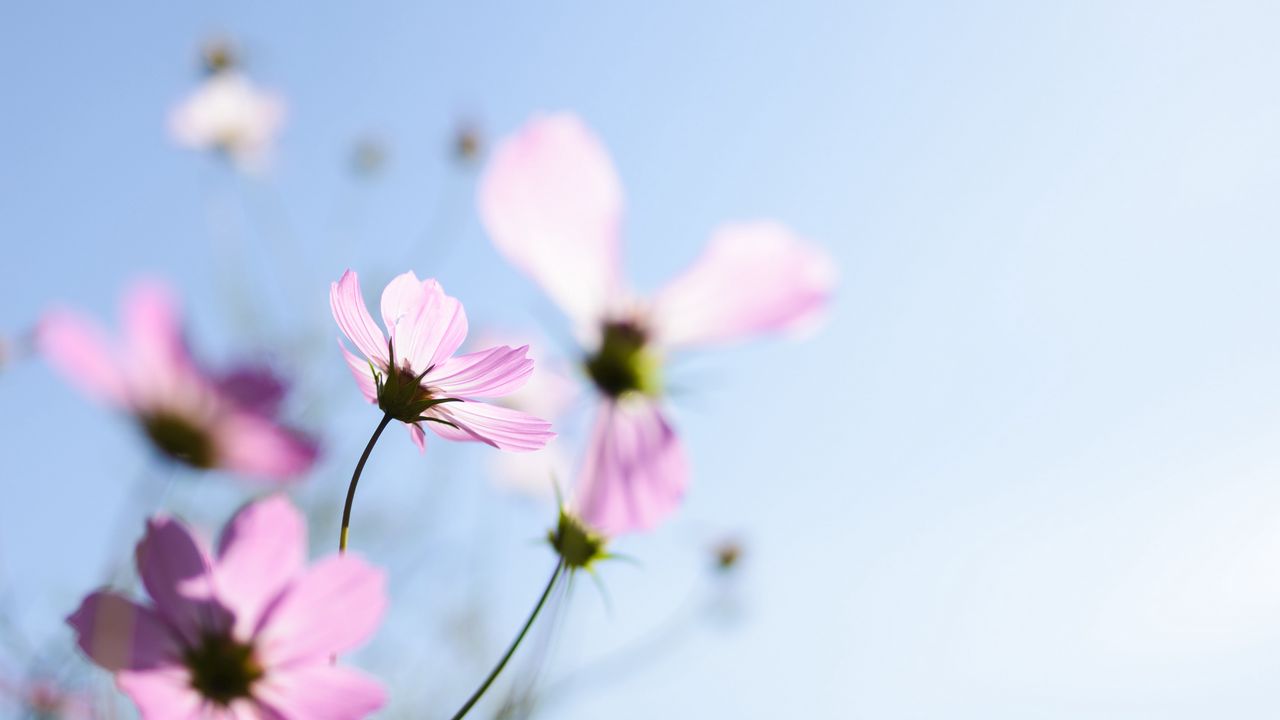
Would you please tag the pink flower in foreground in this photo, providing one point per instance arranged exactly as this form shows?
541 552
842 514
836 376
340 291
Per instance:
552 202
250 633
227 113
202 419
413 375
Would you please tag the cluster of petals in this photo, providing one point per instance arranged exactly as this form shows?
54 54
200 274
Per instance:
552 203
248 633
208 420
228 113
424 328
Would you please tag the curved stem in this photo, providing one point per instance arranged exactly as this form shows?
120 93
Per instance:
355 478
475 697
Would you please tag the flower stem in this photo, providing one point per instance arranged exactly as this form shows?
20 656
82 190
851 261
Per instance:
355 478
475 697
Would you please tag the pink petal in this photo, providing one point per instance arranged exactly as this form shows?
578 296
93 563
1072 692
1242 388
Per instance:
118 634
752 278
347 305
253 388
162 694
501 427
80 350
321 692
552 203
176 572
418 436
488 373
263 548
363 374
402 301
258 447
158 360
635 470
438 329
332 608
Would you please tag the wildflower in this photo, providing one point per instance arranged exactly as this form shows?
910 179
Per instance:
230 115
552 203
414 377
251 632
202 419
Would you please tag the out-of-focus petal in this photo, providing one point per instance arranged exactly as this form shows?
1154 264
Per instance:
332 608
258 447
228 113
552 203
262 550
501 427
321 692
534 474
118 634
177 573
163 694
347 305
158 362
253 388
752 278
489 373
418 436
635 472
80 350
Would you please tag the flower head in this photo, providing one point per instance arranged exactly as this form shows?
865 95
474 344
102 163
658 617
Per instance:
248 632
412 374
203 419
552 203
229 114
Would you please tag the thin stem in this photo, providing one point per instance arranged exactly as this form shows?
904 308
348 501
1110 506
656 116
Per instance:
355 478
497 669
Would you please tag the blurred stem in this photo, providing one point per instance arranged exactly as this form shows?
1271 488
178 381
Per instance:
355 478
497 669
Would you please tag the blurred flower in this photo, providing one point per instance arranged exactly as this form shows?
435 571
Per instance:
467 142
251 633
219 54
229 115
205 420
45 699
552 202
578 545
368 156
426 383
727 553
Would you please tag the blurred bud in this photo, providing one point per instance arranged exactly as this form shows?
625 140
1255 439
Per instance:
368 156
578 545
218 55
727 554
467 142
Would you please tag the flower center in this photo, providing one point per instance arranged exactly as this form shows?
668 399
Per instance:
222 669
180 439
623 363
578 545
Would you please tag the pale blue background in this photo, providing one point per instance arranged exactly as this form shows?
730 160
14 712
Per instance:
1030 469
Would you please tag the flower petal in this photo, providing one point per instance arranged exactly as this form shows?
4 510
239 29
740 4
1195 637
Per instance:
552 203
163 694
363 374
635 471
253 388
258 447
332 608
321 692
501 427
752 278
262 550
438 329
80 350
159 363
347 305
418 436
119 634
177 573
489 373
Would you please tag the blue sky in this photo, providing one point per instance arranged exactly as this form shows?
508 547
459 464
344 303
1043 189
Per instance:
1028 469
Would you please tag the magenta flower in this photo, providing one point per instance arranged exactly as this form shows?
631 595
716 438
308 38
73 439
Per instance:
552 202
251 633
205 420
413 375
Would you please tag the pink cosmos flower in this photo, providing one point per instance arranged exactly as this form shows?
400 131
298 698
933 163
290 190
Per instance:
250 633
413 375
227 113
205 420
552 203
